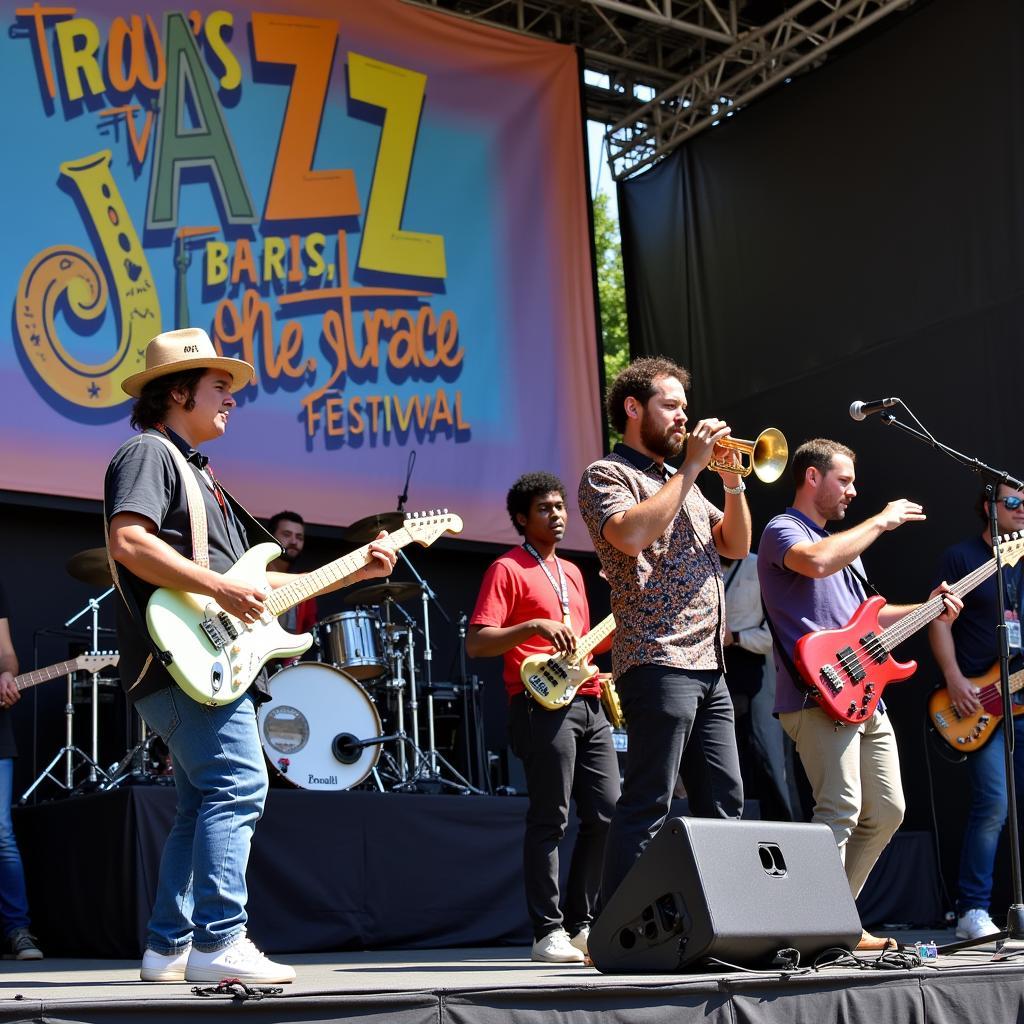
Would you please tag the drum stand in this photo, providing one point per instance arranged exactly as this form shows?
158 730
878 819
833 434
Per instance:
69 752
426 774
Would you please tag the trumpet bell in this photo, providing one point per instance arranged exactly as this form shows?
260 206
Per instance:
766 456
770 455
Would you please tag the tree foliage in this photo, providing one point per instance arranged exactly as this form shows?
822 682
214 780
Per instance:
610 288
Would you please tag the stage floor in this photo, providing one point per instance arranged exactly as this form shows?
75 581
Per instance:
487 986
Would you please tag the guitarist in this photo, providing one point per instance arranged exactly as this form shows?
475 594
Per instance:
811 579
185 395
965 649
532 601
13 896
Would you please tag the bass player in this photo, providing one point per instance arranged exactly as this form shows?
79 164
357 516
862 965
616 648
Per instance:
532 601
968 648
812 579
183 399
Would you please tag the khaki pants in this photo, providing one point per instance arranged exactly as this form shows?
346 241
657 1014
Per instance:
855 776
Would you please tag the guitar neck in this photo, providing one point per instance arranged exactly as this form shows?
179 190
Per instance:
316 582
44 675
933 607
587 643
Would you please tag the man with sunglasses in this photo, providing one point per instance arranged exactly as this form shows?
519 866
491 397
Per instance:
964 650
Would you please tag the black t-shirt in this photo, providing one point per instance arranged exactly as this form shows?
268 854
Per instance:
974 631
7 744
143 477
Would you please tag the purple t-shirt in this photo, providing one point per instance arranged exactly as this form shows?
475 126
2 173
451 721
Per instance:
799 604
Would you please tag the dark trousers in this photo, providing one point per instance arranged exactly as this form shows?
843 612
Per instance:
676 721
566 753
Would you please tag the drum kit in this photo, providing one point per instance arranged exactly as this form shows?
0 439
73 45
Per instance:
324 726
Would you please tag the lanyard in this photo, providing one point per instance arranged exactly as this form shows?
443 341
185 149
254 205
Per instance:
561 588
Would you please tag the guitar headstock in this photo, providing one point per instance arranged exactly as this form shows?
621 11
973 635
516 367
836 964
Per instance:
1011 547
97 661
426 527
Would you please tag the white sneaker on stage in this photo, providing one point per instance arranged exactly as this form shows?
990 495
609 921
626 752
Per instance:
975 924
581 939
555 948
164 966
241 960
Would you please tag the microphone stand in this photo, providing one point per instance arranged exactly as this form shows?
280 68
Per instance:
1015 913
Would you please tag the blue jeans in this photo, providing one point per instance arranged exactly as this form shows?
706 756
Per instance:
987 816
221 782
13 900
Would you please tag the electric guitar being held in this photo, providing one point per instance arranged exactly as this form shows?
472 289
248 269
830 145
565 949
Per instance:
214 656
552 680
83 663
848 668
974 731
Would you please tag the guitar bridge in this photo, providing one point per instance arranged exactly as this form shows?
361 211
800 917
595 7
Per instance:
831 679
216 633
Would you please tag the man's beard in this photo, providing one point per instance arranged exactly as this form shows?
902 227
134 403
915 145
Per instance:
660 443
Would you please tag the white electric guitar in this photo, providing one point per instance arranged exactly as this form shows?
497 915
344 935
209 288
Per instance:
554 679
215 656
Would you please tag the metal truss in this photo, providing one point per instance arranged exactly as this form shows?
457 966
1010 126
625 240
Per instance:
794 42
700 59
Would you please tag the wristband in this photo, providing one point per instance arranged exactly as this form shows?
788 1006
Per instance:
734 490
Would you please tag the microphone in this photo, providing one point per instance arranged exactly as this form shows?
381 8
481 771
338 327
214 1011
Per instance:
862 410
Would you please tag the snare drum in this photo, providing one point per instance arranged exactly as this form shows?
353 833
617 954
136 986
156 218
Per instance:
312 705
351 641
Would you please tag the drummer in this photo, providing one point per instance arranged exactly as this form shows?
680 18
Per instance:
289 530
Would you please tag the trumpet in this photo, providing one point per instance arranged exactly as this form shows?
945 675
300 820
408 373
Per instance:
767 456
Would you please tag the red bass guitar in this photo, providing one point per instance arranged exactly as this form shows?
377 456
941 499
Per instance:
847 669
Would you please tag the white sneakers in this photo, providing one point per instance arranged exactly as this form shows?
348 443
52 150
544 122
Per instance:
557 948
164 967
975 924
241 960
581 939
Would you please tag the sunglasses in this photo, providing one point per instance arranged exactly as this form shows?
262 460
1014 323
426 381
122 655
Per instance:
1011 502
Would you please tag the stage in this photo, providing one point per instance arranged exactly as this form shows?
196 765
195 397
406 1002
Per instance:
347 871
494 986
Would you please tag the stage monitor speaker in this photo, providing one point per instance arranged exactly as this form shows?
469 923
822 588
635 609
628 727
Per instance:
738 891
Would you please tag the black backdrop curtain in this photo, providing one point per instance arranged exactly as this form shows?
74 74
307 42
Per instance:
859 233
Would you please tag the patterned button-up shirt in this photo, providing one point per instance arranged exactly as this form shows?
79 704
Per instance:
668 600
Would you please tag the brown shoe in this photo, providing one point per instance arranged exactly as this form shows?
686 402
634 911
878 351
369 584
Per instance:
874 943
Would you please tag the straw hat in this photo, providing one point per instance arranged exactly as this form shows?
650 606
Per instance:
187 349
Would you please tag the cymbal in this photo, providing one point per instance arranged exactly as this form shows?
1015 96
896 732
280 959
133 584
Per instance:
90 566
362 531
378 592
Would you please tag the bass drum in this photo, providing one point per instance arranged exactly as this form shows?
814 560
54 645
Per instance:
312 707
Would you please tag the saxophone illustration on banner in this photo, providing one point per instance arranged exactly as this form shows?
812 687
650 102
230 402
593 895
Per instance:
66 276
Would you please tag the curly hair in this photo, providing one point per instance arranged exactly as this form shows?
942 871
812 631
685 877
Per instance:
817 453
637 381
151 406
525 489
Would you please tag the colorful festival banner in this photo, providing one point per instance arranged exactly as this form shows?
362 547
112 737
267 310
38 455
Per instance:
381 207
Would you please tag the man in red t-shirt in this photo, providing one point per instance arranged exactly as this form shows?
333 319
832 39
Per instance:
531 601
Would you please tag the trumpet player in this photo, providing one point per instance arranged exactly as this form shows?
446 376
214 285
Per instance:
659 540
532 601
